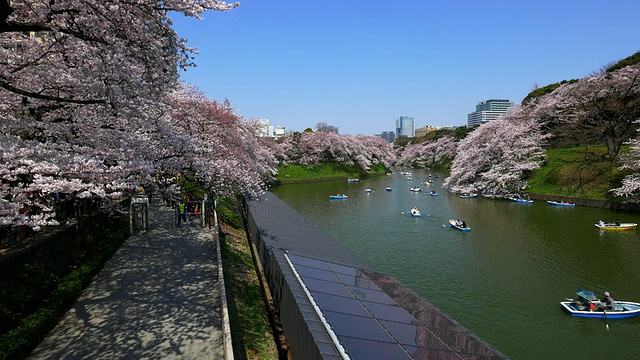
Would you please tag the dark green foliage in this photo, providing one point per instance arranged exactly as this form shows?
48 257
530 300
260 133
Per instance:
401 141
230 217
630 60
461 132
539 92
377 169
38 286
228 212
191 187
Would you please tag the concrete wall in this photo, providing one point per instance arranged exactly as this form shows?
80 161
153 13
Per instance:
588 202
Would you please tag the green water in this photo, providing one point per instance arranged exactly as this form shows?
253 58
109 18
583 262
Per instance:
504 279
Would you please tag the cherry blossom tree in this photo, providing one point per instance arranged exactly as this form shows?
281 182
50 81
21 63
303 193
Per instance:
429 153
494 158
311 148
631 183
223 151
604 108
82 98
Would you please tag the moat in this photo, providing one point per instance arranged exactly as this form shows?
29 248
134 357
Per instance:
504 279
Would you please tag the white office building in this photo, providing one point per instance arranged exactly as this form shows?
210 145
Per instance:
488 110
266 129
280 130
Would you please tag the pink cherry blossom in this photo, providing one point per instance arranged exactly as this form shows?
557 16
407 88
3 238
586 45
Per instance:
494 158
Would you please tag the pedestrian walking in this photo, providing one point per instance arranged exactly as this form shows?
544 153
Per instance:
181 208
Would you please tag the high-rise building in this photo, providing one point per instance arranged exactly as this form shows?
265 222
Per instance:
488 110
404 127
388 136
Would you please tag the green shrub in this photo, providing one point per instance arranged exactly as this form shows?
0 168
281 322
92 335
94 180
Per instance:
230 218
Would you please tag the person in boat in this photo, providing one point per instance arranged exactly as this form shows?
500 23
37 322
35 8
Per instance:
464 224
601 223
617 222
584 304
608 302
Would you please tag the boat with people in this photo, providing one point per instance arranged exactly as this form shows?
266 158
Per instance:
338 197
368 191
353 180
433 193
468 195
415 212
588 305
560 203
389 188
521 200
459 224
416 189
615 225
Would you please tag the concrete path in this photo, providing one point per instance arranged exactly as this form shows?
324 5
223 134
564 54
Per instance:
157 298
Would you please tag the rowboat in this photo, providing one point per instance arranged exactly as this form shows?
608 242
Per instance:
616 226
468 196
433 193
560 203
338 197
388 188
368 191
521 200
415 212
416 189
353 180
459 224
588 305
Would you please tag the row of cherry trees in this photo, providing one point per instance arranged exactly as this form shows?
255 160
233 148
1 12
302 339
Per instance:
428 153
309 148
91 108
495 158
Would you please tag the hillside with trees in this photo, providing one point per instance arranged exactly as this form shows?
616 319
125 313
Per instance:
601 111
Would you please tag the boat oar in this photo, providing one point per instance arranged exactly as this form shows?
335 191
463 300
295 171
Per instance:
605 317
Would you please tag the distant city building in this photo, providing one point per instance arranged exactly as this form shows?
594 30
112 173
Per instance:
423 131
279 131
488 110
388 136
404 127
266 129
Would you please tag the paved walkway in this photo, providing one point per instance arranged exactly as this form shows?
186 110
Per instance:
157 298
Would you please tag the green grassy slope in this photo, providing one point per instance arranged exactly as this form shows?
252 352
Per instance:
577 171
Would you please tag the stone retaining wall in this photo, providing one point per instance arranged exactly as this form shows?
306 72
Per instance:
626 206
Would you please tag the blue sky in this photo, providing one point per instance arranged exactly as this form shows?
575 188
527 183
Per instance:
359 65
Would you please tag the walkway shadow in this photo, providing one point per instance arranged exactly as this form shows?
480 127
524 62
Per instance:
156 298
